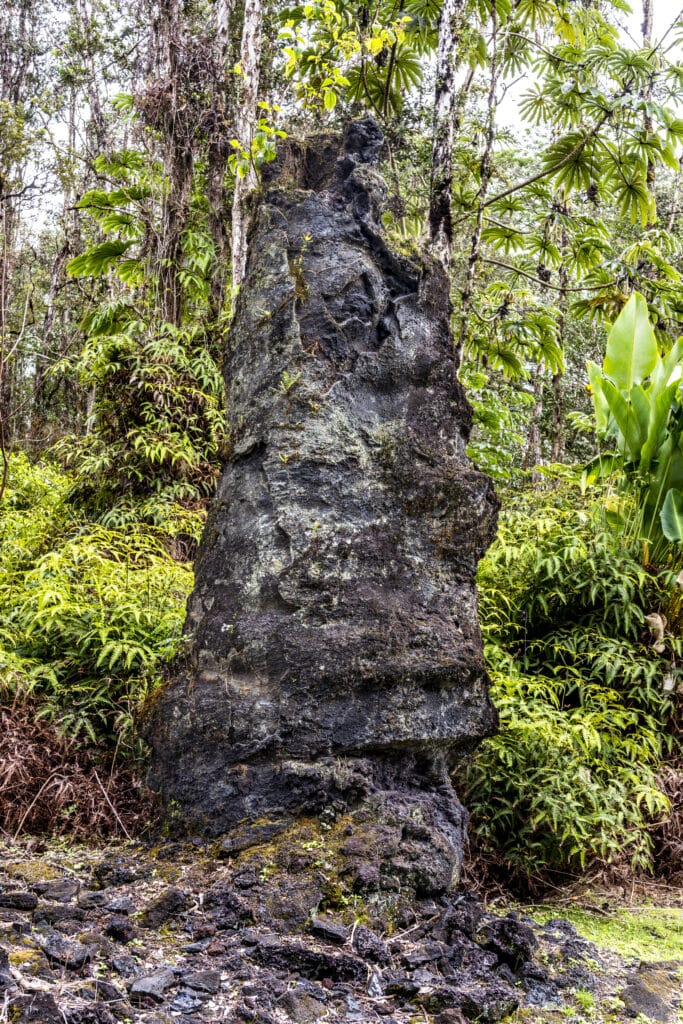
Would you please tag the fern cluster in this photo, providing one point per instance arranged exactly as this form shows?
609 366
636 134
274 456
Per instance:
88 615
158 423
572 775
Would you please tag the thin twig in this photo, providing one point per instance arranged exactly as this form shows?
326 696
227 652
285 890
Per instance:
420 924
48 782
547 284
114 811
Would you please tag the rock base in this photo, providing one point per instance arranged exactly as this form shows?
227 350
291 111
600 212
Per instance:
334 659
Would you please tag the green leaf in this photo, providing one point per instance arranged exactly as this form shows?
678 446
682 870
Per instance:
668 369
630 416
632 352
672 515
660 408
98 260
598 468
600 404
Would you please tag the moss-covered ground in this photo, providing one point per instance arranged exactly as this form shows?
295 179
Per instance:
643 932
626 933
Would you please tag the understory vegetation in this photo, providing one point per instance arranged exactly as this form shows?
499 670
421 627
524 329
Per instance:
89 615
582 614
585 695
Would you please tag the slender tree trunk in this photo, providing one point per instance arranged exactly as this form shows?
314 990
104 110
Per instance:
675 197
17 55
250 62
222 13
40 401
8 227
169 40
648 12
97 125
647 27
218 152
180 165
56 322
485 169
557 427
534 452
445 107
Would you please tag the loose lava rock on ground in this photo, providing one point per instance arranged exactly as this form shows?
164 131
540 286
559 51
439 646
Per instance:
180 934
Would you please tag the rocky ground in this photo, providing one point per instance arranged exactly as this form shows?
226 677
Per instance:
186 934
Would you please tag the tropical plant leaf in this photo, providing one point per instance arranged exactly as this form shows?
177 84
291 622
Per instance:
672 515
599 468
632 351
631 417
97 260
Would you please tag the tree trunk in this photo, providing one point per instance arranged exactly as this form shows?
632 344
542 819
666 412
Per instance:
647 26
534 451
497 48
445 107
222 14
557 428
169 108
246 119
217 154
97 123
18 51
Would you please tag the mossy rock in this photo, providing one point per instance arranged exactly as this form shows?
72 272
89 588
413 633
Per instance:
33 871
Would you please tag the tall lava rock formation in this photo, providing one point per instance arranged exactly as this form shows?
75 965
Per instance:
335 661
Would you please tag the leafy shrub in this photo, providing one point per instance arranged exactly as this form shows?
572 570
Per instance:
158 424
500 422
572 775
668 838
88 615
33 512
156 430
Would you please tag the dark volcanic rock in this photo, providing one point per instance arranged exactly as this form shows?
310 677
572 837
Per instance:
168 905
6 980
654 991
512 941
18 900
39 1007
152 986
335 652
370 946
309 963
328 928
202 981
58 949
61 891
250 835
120 929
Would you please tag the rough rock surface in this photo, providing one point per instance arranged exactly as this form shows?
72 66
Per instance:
237 949
335 656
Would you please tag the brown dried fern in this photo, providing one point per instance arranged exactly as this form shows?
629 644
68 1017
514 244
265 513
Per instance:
51 785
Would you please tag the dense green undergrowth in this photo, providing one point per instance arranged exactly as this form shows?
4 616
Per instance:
584 689
648 933
88 615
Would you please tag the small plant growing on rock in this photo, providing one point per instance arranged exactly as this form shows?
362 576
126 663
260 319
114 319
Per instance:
288 382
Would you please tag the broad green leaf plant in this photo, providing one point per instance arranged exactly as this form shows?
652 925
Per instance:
638 415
